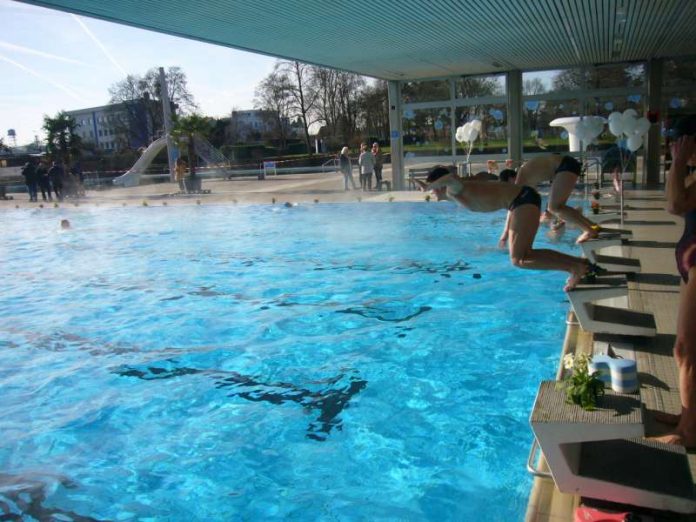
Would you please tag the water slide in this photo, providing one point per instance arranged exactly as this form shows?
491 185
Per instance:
216 162
132 177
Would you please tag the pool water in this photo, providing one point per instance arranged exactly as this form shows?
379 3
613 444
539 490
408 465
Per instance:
322 362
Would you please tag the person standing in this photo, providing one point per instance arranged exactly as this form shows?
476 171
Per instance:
366 162
681 201
30 178
180 174
346 168
379 162
44 181
55 174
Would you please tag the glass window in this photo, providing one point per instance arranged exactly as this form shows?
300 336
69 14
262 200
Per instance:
604 106
557 80
619 75
425 91
493 136
679 73
538 135
477 86
427 132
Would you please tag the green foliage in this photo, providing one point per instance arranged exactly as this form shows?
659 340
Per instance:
62 142
581 387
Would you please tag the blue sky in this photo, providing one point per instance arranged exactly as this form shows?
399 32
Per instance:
51 60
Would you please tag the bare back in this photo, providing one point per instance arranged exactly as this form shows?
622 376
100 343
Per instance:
485 196
536 170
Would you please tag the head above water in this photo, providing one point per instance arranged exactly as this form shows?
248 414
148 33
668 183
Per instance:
507 175
437 172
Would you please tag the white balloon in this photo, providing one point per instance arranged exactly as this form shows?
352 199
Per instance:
614 115
634 142
459 135
616 126
629 125
473 134
630 113
642 126
476 124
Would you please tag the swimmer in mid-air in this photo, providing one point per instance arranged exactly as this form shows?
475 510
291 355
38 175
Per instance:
563 172
524 206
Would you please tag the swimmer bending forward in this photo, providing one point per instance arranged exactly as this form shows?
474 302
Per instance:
524 205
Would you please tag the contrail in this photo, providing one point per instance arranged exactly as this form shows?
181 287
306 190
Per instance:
27 50
57 85
100 45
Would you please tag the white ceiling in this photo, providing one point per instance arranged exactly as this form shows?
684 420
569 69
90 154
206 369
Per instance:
412 39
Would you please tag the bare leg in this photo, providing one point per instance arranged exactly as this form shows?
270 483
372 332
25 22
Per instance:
685 355
561 188
524 223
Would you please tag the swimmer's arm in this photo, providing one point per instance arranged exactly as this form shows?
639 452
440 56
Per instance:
681 199
447 187
502 242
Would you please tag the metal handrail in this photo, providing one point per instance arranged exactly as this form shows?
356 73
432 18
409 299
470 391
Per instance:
531 468
333 161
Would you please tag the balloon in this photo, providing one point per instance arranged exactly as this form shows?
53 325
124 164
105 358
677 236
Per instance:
634 142
476 124
629 125
631 112
614 115
473 135
459 135
642 126
616 127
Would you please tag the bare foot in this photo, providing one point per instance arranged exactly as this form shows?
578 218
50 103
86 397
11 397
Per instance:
666 418
575 277
557 224
546 216
587 235
678 438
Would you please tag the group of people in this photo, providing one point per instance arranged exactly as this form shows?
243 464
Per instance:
51 180
369 162
523 203
524 215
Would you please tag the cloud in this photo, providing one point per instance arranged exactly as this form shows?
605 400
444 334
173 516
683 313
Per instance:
35 52
40 76
100 45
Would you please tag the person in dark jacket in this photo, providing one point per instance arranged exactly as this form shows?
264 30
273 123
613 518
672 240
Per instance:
55 174
30 179
44 182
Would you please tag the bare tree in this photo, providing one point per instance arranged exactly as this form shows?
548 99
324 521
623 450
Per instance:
137 111
533 86
273 96
302 96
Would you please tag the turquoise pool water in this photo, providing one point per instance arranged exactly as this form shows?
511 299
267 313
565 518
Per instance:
323 362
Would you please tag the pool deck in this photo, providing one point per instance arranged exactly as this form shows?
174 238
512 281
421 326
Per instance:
654 290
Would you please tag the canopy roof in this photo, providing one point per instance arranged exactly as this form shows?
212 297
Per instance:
416 39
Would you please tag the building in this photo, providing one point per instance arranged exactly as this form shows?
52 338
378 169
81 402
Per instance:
253 124
117 126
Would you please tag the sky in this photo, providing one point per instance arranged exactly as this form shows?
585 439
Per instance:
52 61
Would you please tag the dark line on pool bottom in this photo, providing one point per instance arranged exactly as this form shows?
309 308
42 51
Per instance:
374 313
28 495
330 403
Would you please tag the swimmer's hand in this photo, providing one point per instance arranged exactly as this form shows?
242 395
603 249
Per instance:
502 242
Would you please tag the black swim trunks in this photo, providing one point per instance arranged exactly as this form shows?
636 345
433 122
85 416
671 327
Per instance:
569 164
527 196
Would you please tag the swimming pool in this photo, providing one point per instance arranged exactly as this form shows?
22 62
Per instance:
322 362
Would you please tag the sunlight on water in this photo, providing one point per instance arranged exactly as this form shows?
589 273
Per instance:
323 362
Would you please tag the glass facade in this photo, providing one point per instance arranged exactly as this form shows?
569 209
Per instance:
427 132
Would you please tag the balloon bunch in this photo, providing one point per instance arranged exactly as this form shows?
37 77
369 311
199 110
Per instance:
468 133
589 127
630 125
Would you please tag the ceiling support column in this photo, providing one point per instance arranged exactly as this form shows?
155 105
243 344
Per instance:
514 114
396 134
651 165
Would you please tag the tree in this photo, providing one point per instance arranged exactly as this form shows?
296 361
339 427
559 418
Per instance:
301 94
184 133
138 99
533 87
62 142
273 96
3 147
374 109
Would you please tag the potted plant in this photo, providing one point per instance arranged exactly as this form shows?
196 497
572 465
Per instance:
581 387
595 207
595 194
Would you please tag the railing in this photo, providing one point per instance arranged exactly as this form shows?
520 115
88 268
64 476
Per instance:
333 162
